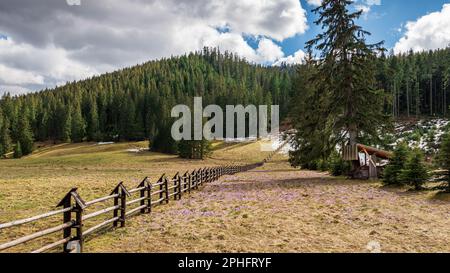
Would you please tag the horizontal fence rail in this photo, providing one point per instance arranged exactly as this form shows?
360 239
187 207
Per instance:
125 203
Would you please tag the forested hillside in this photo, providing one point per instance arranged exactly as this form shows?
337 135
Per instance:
419 82
135 103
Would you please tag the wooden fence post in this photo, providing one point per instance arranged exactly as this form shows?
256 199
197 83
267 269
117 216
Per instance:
166 185
145 192
197 179
161 188
122 193
116 192
180 187
204 176
193 179
187 182
79 207
149 197
207 175
177 185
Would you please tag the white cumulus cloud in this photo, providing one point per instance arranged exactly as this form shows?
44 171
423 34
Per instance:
315 3
57 42
297 58
431 31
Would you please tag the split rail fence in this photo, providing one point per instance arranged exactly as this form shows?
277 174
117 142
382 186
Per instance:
126 203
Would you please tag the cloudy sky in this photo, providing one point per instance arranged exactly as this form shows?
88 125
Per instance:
48 42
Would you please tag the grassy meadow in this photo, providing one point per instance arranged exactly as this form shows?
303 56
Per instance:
271 209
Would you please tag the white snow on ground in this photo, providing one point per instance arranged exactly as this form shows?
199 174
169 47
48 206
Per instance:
137 150
105 143
425 134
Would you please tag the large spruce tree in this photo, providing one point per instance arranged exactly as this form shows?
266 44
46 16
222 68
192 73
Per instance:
25 135
345 102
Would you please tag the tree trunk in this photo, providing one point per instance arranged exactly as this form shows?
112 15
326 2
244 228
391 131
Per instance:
353 136
431 95
407 98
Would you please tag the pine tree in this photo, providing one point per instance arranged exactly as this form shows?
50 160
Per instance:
194 149
93 125
345 79
25 135
444 159
78 128
18 150
414 173
396 165
310 144
5 138
2 148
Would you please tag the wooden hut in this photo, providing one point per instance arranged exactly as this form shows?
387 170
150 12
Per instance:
367 160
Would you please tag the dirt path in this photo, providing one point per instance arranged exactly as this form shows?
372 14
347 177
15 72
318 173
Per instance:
278 209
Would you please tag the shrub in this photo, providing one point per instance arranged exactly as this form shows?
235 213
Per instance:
18 151
415 172
444 158
323 165
338 166
312 165
393 170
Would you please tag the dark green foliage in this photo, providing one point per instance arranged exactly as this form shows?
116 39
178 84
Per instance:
415 172
393 170
338 97
78 126
338 166
444 158
18 150
5 139
194 149
25 135
323 165
419 82
163 142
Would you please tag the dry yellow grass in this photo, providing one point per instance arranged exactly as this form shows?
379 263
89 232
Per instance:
271 209
35 184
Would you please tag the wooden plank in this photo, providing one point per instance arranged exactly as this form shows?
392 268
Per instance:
131 202
52 245
99 200
137 189
103 224
100 212
34 218
135 210
35 235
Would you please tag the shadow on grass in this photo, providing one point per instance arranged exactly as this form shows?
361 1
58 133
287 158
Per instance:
441 196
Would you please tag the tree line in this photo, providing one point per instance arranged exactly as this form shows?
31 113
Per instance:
418 82
135 103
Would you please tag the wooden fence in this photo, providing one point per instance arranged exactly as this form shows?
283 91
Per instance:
126 203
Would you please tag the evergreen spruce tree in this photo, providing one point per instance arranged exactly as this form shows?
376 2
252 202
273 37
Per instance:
415 172
396 165
25 135
444 159
78 127
2 148
18 150
5 138
347 101
67 126
93 126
